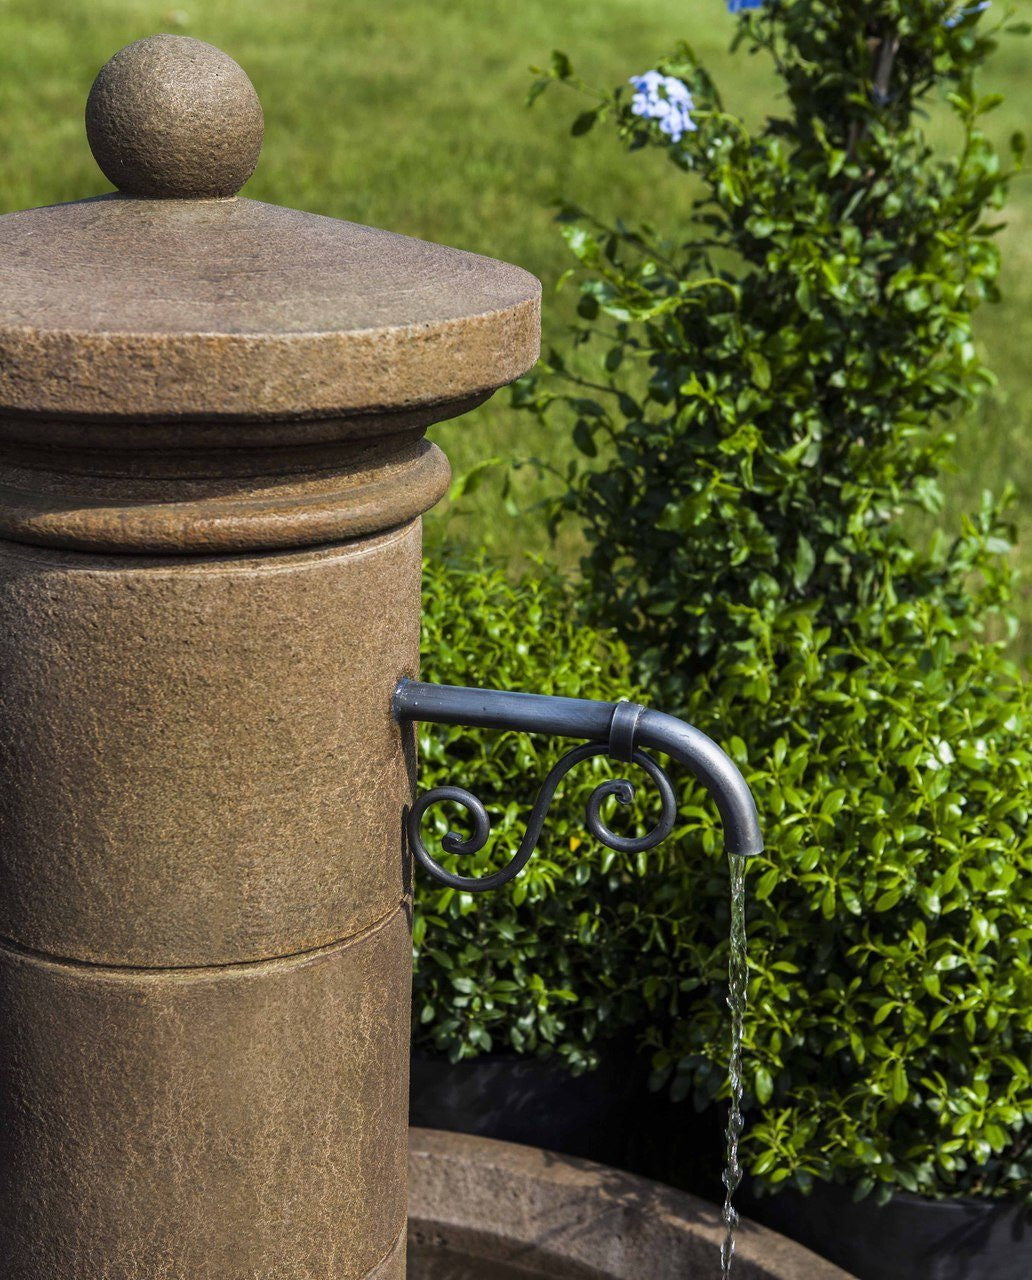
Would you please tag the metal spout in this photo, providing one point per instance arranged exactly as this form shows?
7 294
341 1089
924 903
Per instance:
640 728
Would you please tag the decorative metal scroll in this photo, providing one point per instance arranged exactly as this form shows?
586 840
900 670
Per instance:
623 730
620 744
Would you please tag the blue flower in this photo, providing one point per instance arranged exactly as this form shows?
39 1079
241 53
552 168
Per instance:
742 6
666 99
955 19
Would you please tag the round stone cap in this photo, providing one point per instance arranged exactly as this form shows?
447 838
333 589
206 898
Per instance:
173 116
173 299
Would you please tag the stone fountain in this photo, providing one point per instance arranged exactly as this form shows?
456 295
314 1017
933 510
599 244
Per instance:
212 472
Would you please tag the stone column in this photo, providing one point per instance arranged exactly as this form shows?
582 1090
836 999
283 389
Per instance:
212 468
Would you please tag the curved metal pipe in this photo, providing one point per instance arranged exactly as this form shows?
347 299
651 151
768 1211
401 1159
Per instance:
594 722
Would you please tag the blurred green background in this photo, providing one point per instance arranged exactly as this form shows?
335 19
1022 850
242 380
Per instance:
409 114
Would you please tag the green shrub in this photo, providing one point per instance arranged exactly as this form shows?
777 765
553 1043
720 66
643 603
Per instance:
888 1040
546 965
759 403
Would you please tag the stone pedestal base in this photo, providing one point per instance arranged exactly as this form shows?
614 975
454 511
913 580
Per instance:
206 1124
204 924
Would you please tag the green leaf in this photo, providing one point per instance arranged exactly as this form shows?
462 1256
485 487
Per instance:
833 801
760 368
887 900
468 482
804 563
536 89
584 123
562 68
900 1084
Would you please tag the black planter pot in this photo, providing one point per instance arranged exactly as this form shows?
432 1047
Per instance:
910 1238
676 1144
531 1100
608 1115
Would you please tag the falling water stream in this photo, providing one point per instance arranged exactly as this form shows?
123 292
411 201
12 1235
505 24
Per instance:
737 970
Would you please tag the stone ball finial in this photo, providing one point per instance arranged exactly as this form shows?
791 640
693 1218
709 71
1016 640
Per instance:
172 116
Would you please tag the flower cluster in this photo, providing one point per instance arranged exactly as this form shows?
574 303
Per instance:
955 19
666 99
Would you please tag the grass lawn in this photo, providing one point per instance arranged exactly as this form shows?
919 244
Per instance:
409 115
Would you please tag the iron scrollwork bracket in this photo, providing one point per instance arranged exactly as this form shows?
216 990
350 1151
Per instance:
622 730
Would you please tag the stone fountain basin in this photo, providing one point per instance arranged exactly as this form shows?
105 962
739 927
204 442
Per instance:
486 1210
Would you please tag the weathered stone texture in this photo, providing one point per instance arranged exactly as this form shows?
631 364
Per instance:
198 764
173 116
238 1123
484 1210
163 308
